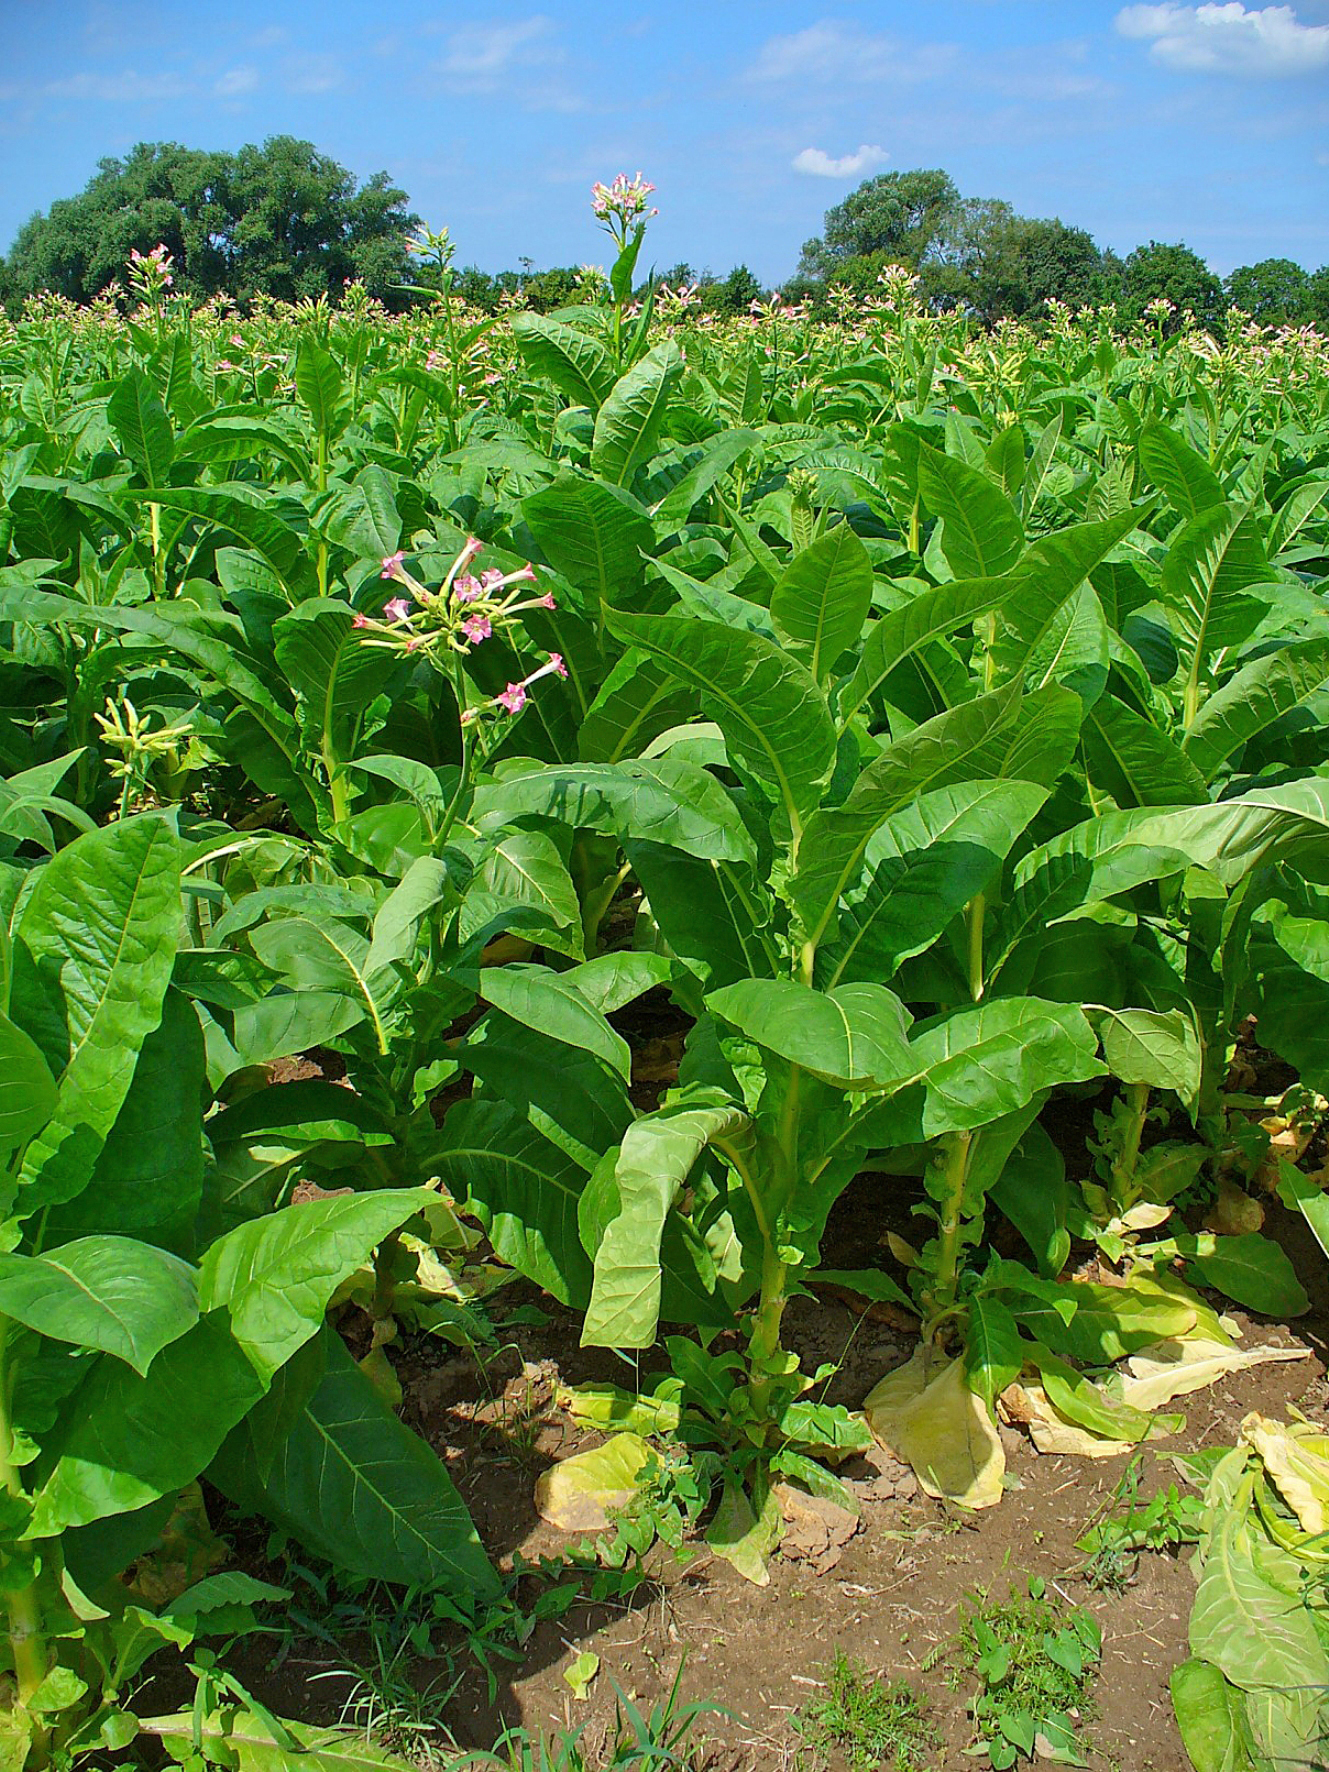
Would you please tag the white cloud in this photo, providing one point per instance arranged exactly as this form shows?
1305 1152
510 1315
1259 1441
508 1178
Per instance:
480 55
834 53
124 88
1228 38
820 164
313 74
235 82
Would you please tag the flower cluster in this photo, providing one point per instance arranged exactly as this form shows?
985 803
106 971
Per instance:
622 203
151 274
466 610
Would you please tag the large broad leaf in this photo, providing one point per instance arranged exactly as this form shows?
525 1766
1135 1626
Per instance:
126 1438
356 1486
823 598
573 1097
981 534
1249 1619
108 1293
768 706
275 1275
995 737
254 1741
714 914
576 362
142 428
627 426
334 674
242 514
1249 1268
28 1094
1153 1047
638 700
946 609
854 1037
524 1190
594 533
93 952
1211 1718
718 455
1258 695
1135 761
1211 563
328 956
319 383
664 800
547 1003
921 867
1033 1193
653 1162
1190 484
147 1180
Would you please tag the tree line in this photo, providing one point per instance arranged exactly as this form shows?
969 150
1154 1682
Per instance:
286 221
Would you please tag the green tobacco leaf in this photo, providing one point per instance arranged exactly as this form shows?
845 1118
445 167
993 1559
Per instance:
594 534
1190 484
1084 1404
575 361
1300 1194
523 1189
1249 1619
570 1095
1159 1048
1033 1193
718 455
993 1351
995 737
1136 761
275 1275
921 867
108 1293
1211 564
767 704
546 1002
1258 695
610 982
93 950
853 1037
665 800
637 701
746 1536
1249 1268
254 1741
326 956
1108 1322
250 520
334 674
981 537
823 598
713 914
142 428
653 1162
147 1180
627 426
990 1060
1211 1718
356 1486
28 1093
132 1438
319 383
898 635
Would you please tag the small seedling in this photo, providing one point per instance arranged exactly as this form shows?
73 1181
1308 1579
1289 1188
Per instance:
876 1726
1035 1664
1113 1544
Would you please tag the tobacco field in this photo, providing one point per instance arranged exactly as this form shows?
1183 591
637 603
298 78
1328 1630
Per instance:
661 975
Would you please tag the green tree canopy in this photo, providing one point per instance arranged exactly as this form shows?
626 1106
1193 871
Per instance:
897 214
1274 291
280 219
1173 273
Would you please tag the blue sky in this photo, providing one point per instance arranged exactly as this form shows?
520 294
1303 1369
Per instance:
1205 123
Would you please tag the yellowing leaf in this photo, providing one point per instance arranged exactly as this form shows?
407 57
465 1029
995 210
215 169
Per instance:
1050 1432
925 1414
1298 1464
580 1672
577 1495
1170 1369
746 1536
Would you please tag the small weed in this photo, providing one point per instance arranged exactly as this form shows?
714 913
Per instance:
1035 1663
656 1738
1113 1544
874 1725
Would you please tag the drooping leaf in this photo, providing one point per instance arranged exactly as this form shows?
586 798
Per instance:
1178 470
575 361
853 1037
111 1294
28 1093
1252 700
627 426
981 534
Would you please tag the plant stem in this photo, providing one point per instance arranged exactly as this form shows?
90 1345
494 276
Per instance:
954 1174
974 914
27 1645
1123 1168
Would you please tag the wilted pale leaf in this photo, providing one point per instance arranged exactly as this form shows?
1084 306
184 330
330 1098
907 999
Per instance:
926 1414
1170 1369
578 1494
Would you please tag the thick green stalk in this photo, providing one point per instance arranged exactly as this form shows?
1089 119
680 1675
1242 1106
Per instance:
26 1642
1128 1156
950 1218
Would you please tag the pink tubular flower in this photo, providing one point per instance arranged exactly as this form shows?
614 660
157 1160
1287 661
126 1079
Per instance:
435 360
359 620
397 608
225 363
477 628
491 579
237 338
466 590
548 601
392 564
513 698
556 664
